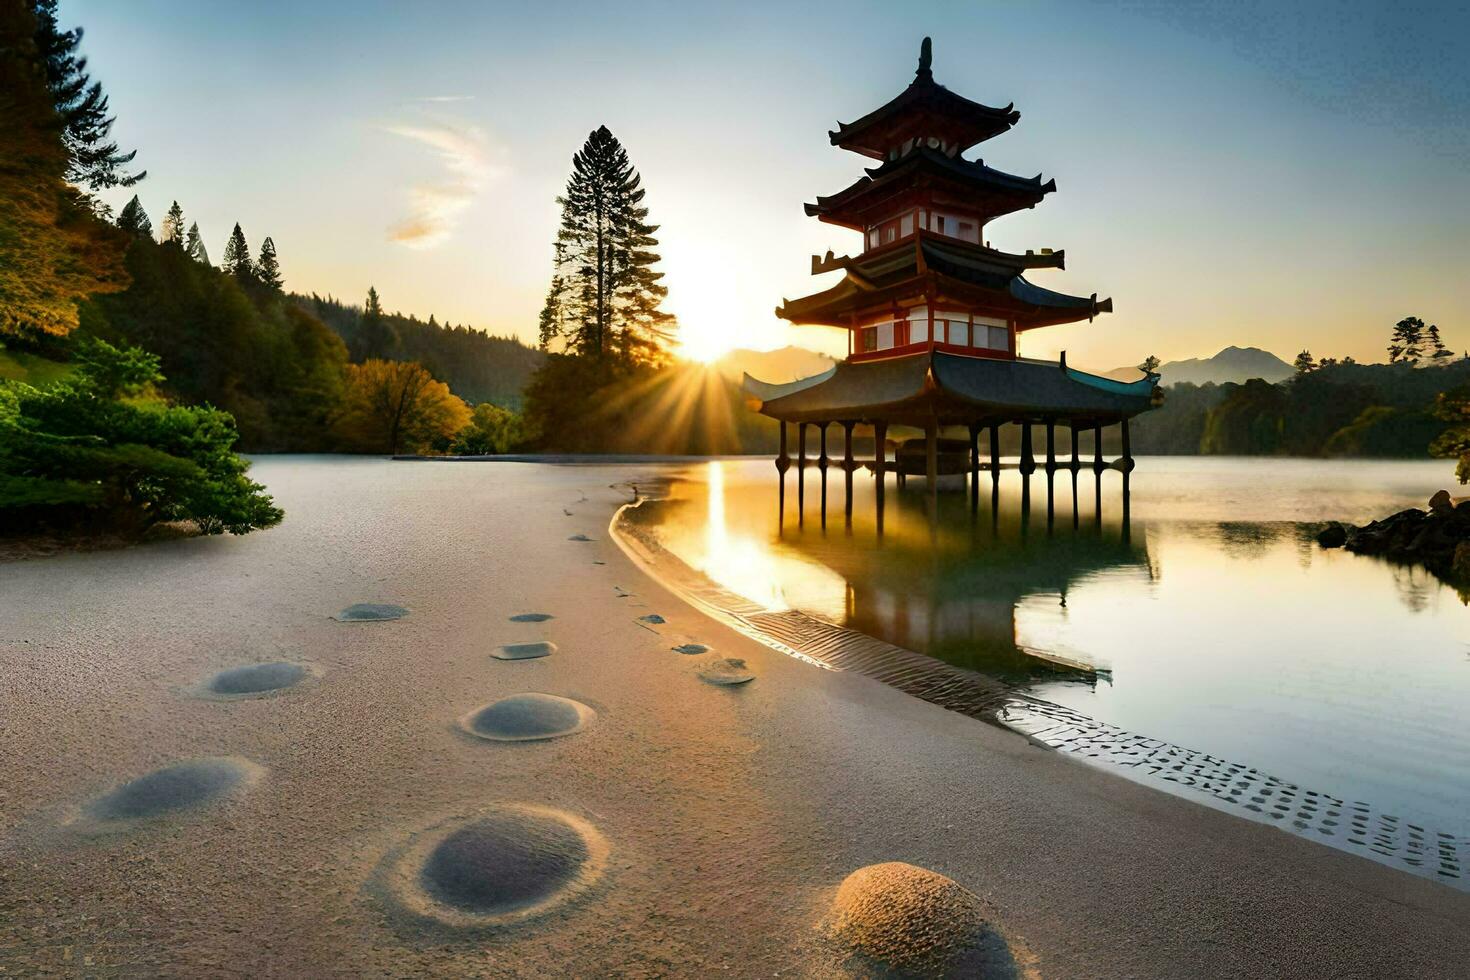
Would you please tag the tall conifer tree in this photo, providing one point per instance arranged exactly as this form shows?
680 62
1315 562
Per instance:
173 226
194 245
267 267
375 337
1407 342
1437 349
605 295
134 220
237 256
94 159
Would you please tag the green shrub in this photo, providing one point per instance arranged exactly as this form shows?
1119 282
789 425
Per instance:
99 450
492 430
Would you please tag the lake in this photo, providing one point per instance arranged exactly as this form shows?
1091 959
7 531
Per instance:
1207 643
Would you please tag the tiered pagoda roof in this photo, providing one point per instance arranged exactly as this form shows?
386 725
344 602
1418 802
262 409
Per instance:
941 178
924 110
952 389
949 270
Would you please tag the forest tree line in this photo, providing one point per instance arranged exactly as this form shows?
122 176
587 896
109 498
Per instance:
1409 407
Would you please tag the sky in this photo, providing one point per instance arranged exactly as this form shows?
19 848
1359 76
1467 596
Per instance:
1259 173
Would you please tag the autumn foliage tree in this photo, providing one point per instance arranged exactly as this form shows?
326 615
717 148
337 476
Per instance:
397 406
53 251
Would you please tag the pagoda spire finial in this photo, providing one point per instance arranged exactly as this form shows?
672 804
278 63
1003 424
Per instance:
926 59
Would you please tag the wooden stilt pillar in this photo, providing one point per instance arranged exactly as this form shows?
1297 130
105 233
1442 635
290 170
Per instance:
1127 475
847 465
783 463
800 473
994 472
1074 466
822 463
931 466
974 467
1051 471
880 465
1097 471
1028 460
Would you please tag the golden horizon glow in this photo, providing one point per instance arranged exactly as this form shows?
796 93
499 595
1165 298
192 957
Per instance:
701 345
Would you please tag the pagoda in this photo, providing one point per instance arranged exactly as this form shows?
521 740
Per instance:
933 314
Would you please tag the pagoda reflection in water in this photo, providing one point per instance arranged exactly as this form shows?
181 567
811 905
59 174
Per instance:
950 589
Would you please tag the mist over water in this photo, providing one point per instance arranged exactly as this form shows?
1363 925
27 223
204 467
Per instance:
1211 619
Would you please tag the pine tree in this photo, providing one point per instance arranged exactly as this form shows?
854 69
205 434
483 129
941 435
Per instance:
1437 349
375 335
267 269
604 297
1407 342
237 256
173 226
94 160
134 220
1150 364
194 245
1304 363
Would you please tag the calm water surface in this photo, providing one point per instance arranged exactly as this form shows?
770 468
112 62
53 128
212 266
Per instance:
1210 620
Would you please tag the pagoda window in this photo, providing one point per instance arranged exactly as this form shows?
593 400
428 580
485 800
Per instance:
906 225
885 336
901 333
992 334
868 339
966 230
872 238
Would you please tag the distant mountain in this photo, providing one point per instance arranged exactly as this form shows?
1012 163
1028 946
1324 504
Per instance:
778 366
1237 364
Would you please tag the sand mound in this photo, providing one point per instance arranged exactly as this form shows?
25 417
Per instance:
527 717
530 617
370 612
691 649
579 537
506 864
525 651
913 921
255 679
727 673
172 789
653 618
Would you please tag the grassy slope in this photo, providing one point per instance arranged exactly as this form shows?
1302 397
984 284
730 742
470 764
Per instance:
33 370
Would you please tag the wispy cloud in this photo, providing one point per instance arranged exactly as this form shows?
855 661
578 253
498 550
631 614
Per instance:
446 98
470 162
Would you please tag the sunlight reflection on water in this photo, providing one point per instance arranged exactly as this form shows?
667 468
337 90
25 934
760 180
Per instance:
1217 624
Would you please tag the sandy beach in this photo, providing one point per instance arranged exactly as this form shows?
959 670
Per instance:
729 814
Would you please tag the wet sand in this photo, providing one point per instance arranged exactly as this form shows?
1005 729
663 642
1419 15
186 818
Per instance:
730 814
